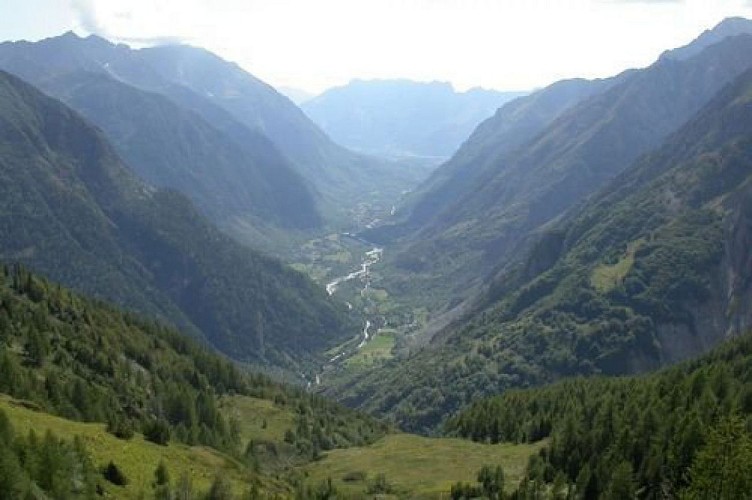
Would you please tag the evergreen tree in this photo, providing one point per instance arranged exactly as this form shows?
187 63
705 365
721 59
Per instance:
221 489
622 485
491 481
721 469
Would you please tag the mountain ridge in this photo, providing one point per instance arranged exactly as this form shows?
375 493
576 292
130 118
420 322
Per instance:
651 270
73 210
403 117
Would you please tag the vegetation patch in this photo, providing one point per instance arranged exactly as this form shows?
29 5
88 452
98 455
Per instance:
378 349
606 277
416 466
137 459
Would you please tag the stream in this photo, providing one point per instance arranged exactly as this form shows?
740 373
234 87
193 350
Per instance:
370 258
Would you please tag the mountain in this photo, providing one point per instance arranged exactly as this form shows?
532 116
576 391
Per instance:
275 141
513 124
71 209
172 147
731 26
297 96
233 178
403 117
338 174
519 191
652 269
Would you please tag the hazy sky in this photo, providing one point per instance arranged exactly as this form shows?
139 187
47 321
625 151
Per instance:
315 44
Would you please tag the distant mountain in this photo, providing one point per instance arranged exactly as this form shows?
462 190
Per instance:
297 96
233 102
653 269
338 174
518 190
69 208
732 26
235 175
514 124
403 117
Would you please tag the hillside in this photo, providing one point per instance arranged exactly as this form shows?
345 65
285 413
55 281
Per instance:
403 117
112 387
681 432
85 361
71 209
233 174
341 177
171 147
652 270
279 146
579 152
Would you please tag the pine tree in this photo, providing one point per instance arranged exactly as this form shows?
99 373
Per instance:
721 469
491 481
622 485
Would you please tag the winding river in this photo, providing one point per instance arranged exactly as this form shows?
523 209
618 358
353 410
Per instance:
370 258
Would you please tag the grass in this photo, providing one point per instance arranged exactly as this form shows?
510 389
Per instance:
137 458
607 277
258 418
379 348
418 467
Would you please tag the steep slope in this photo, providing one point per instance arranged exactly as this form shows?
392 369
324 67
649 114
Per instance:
339 175
732 26
65 355
230 172
171 147
659 425
653 269
403 117
71 209
233 102
575 155
510 127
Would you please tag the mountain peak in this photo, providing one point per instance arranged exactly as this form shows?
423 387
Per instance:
731 26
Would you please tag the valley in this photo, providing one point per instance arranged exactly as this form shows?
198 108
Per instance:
391 287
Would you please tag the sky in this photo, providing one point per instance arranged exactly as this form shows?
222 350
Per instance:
316 44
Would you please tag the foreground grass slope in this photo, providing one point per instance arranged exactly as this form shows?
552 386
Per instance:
138 458
416 466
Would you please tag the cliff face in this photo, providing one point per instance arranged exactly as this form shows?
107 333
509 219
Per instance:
727 311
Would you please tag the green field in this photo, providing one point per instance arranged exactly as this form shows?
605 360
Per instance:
418 467
136 457
258 418
606 277
379 348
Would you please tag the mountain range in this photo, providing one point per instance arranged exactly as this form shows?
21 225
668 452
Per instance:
475 213
186 119
571 289
649 269
403 117
71 209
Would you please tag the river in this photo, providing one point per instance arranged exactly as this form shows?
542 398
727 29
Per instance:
370 258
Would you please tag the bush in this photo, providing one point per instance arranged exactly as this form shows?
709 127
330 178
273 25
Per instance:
120 428
355 476
157 431
380 486
113 474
